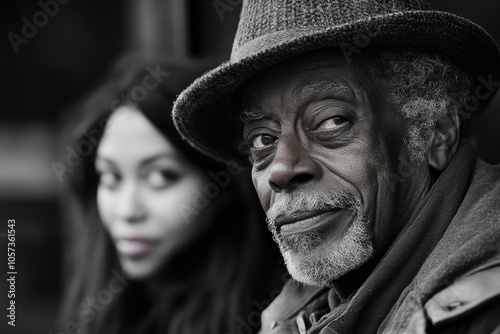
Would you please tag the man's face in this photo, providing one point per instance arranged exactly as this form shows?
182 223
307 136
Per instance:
325 146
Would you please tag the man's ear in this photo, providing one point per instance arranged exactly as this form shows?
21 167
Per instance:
444 140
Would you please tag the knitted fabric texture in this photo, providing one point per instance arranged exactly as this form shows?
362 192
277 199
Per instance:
271 31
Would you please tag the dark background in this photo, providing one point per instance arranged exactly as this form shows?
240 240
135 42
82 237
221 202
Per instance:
58 67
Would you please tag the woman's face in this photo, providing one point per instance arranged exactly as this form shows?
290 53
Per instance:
145 193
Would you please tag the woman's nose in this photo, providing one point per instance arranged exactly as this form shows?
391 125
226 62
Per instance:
129 205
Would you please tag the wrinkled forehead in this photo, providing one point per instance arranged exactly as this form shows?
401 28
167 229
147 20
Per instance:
306 77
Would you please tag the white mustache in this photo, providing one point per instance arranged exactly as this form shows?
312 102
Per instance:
312 201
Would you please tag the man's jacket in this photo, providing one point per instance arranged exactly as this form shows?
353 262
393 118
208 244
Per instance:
440 275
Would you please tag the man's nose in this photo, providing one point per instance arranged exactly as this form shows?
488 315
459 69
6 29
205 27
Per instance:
292 165
129 206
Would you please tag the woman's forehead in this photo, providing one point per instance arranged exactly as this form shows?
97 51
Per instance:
129 134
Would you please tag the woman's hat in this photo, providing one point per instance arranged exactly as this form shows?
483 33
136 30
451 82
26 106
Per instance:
270 31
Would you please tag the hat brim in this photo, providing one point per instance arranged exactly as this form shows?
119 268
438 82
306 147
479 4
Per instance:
206 113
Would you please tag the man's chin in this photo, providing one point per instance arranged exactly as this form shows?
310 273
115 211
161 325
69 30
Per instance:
304 270
320 271
321 263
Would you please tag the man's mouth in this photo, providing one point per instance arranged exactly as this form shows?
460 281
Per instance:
306 221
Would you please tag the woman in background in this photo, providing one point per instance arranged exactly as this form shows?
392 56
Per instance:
186 231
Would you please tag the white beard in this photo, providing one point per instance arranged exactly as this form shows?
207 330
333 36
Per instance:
308 258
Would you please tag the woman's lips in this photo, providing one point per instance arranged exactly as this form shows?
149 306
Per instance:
302 222
134 247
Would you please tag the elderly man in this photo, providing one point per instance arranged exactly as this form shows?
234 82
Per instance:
356 117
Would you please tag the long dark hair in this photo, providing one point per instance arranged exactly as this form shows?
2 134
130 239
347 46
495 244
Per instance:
209 284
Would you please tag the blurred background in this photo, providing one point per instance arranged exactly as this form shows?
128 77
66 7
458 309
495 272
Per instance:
51 66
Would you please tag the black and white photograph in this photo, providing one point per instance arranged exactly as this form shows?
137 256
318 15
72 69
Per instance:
250 167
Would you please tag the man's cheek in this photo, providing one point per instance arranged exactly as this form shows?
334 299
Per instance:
264 191
383 211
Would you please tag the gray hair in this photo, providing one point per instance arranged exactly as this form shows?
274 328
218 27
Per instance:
424 87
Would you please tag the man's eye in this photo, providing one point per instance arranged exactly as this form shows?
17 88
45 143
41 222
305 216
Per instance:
262 140
331 123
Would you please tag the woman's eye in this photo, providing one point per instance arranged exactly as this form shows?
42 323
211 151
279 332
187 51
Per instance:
332 123
262 140
160 178
109 180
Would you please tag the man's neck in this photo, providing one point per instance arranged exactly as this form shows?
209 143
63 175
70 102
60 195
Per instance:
348 284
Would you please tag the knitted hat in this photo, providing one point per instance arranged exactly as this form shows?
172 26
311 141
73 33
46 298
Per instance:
270 31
